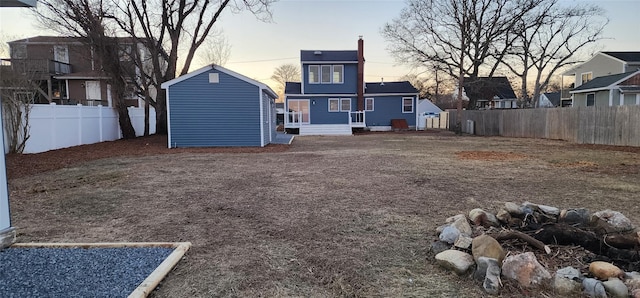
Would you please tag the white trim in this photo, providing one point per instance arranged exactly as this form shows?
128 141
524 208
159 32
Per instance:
638 99
260 95
373 105
329 104
621 99
319 76
322 73
610 97
333 71
301 81
204 69
582 82
341 99
415 110
66 83
168 119
412 105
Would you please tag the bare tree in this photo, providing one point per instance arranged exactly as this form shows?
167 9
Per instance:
169 27
17 92
548 39
216 49
463 37
283 74
88 19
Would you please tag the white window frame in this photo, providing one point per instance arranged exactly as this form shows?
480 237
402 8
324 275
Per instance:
586 100
403 105
317 67
334 100
333 72
590 74
366 104
329 76
345 99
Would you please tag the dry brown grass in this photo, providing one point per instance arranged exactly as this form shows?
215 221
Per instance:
331 216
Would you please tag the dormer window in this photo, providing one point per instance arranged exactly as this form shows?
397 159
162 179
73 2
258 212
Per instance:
586 77
314 74
326 74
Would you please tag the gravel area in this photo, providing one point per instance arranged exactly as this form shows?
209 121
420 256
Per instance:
76 272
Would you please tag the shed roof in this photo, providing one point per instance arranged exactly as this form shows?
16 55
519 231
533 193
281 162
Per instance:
553 97
329 56
196 72
604 82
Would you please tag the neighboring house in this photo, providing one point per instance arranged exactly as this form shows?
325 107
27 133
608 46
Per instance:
280 112
426 107
66 71
612 90
603 64
550 100
491 93
332 97
216 107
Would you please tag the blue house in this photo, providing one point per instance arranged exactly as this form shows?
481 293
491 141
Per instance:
333 98
216 107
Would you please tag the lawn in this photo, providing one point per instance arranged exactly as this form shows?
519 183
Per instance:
330 216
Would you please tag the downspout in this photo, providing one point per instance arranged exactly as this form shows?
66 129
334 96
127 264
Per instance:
360 86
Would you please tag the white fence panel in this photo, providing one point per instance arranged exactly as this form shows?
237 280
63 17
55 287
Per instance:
59 126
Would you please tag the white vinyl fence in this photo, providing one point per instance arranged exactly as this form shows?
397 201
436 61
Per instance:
59 126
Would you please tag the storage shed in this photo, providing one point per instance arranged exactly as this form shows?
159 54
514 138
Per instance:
216 107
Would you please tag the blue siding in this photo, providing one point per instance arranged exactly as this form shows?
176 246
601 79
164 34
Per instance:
387 108
204 114
349 85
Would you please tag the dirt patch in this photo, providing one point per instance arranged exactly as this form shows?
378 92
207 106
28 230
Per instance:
327 216
489 155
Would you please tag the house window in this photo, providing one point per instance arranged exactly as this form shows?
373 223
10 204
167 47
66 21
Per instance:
19 51
368 104
326 74
345 104
338 71
591 99
407 105
334 104
586 77
314 74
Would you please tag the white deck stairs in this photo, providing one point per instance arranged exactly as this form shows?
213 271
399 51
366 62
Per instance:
325 130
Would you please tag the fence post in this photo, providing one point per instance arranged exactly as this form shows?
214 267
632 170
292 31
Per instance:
100 108
80 124
54 124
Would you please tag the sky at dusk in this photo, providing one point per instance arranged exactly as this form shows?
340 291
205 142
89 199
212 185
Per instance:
259 47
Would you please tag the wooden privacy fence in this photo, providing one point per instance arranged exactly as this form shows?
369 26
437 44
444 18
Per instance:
619 125
58 126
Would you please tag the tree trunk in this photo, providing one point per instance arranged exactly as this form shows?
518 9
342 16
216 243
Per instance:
125 122
161 114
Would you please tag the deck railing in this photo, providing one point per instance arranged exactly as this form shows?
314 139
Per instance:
41 66
357 119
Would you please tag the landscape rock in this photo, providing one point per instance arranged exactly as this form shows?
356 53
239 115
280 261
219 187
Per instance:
616 288
439 246
457 261
635 293
454 218
612 221
632 282
525 268
449 234
463 241
492 284
483 218
439 229
593 288
463 226
503 216
549 210
580 216
565 280
482 263
603 270
486 246
513 208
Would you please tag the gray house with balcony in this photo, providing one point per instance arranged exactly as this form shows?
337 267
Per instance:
64 70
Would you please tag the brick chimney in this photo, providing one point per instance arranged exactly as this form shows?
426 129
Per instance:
360 74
